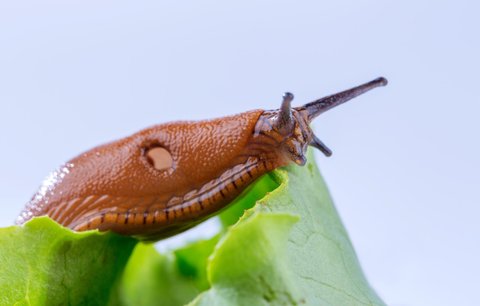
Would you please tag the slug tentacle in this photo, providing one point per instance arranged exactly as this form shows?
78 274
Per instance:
168 178
285 120
317 143
315 108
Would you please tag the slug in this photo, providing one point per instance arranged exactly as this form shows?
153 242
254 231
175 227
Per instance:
166 179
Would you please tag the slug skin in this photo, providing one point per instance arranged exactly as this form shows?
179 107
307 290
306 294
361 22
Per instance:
114 187
168 178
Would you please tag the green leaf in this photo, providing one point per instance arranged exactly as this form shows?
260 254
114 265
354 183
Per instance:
247 199
42 263
175 278
290 248
260 261
287 246
249 266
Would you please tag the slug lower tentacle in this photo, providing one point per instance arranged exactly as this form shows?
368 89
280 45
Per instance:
168 178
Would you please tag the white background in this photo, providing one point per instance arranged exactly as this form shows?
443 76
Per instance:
405 170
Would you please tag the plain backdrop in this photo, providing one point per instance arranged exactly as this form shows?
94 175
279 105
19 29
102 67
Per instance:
405 170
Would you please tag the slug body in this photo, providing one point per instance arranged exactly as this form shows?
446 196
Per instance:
168 178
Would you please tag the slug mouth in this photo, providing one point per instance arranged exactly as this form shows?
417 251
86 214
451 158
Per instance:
300 160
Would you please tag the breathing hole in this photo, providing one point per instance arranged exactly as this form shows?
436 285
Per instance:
159 158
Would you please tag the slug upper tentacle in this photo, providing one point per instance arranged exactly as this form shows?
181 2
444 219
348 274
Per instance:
168 178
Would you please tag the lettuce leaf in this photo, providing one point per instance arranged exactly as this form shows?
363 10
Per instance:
282 243
42 263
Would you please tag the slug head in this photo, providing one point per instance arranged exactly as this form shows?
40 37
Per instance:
291 126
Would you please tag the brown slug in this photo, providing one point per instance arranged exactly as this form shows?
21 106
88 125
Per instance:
168 178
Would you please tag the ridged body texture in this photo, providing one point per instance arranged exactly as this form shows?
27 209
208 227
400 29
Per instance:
168 178
114 187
